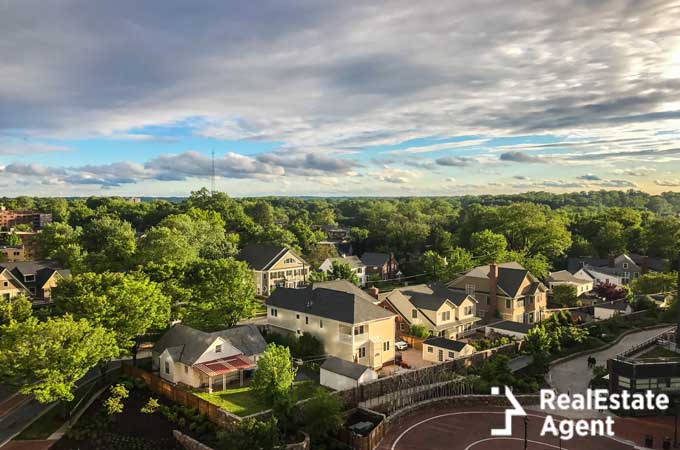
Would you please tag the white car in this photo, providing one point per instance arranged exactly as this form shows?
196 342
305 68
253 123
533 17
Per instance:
400 345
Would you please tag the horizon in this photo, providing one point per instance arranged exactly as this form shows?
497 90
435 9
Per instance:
375 100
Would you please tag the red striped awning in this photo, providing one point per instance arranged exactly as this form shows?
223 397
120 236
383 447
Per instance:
225 365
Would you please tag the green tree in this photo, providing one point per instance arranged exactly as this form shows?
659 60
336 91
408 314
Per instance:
654 282
275 373
661 237
488 246
342 271
322 416
127 304
539 343
435 266
565 295
223 293
46 359
419 330
460 260
13 240
252 434
164 245
18 308
60 242
110 243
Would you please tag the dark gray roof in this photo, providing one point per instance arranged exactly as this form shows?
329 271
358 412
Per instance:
344 368
432 296
187 344
620 306
374 259
510 280
653 263
337 300
509 325
42 270
448 344
261 257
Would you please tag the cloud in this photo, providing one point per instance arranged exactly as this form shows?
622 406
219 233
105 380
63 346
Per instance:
667 183
520 157
453 161
590 177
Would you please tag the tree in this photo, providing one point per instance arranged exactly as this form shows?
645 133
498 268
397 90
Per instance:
308 346
127 304
419 330
661 237
488 246
460 260
60 242
319 253
610 239
609 291
342 271
223 293
654 282
252 434
435 266
110 243
163 245
18 308
564 295
46 359
322 416
13 240
274 377
539 344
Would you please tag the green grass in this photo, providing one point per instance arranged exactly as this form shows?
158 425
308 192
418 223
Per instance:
242 401
659 352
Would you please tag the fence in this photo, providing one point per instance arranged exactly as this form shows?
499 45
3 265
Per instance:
413 341
358 441
394 401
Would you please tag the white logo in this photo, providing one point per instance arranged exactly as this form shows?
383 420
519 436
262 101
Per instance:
516 410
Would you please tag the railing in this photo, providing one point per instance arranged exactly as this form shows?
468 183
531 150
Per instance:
623 356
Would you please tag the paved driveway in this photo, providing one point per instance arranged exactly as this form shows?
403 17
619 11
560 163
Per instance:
573 375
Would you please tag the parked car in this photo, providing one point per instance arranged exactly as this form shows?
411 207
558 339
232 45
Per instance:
400 345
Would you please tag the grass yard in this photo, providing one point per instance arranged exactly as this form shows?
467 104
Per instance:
243 402
659 352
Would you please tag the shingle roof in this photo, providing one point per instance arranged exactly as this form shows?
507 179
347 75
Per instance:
374 259
620 306
352 261
337 300
655 264
187 344
448 344
344 368
509 325
563 276
42 270
432 296
261 257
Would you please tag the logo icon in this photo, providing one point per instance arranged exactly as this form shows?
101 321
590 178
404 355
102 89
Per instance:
516 411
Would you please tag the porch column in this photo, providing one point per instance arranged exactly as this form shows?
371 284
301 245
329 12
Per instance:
209 385
224 381
240 374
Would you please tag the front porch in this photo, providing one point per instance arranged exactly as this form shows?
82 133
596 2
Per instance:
220 373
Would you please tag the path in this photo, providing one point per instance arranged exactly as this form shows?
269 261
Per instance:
573 375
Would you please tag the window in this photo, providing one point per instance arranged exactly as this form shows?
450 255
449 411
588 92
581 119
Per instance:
167 367
451 355
508 303
5 283
298 331
29 277
297 316
429 349
359 330
362 352
446 315
359 270
306 320
289 260
467 310
386 346
470 289
274 312
320 323
625 265
218 348
414 314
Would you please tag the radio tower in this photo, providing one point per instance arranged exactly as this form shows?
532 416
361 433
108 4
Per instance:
212 175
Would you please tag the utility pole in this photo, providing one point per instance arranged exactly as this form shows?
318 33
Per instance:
212 175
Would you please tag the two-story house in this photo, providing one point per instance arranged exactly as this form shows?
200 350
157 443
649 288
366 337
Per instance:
582 285
199 359
445 313
354 263
274 266
507 291
383 264
624 267
34 278
341 316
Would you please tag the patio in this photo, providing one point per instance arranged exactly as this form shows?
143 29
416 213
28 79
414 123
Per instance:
225 371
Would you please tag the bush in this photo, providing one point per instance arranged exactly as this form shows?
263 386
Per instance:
419 331
251 435
322 416
151 406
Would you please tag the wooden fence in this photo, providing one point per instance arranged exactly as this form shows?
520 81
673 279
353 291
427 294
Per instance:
370 441
413 341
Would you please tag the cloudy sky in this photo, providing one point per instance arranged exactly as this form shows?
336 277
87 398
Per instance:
338 98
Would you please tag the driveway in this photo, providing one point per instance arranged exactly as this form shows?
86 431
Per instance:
573 375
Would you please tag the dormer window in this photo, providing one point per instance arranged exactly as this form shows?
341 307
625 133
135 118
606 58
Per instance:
470 289
218 348
29 278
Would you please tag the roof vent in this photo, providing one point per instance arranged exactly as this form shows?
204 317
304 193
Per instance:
309 304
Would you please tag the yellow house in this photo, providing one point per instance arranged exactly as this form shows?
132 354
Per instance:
274 266
443 312
12 254
507 291
342 316
34 278
438 349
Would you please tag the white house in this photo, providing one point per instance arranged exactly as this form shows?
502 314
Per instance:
599 275
199 359
439 349
564 277
340 375
354 263
608 310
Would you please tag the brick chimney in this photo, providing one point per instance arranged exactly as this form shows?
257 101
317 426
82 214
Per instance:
493 289
373 292
644 265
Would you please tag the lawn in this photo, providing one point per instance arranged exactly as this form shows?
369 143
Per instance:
242 401
659 352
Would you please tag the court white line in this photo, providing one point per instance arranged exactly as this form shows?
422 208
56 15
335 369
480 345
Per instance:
512 439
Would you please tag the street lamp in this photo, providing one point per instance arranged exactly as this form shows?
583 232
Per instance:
526 425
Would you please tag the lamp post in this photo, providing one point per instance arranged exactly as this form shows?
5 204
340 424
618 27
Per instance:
526 425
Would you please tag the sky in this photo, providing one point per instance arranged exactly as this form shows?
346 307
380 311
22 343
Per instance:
338 98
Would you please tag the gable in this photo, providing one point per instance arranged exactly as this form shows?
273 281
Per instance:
287 260
210 354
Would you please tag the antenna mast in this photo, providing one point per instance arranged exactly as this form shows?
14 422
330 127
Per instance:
212 175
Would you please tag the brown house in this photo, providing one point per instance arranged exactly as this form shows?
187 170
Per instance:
33 278
10 219
382 264
507 291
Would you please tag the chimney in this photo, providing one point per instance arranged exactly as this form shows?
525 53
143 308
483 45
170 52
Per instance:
644 265
612 263
373 292
493 289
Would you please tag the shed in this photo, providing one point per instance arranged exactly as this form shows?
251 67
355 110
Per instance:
340 375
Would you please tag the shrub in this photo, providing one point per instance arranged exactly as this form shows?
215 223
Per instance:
419 331
322 416
151 406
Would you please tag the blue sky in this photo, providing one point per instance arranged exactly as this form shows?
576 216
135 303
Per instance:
300 98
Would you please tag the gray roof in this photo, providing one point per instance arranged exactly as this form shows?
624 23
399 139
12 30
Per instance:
375 259
344 368
509 325
448 344
432 296
42 270
336 300
620 306
564 276
510 276
262 257
187 344
352 261
653 263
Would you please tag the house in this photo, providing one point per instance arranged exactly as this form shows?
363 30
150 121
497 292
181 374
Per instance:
28 241
35 278
508 328
443 312
661 300
599 275
274 266
353 262
508 291
605 311
341 316
12 253
382 264
564 277
11 218
341 375
626 266
199 359
439 349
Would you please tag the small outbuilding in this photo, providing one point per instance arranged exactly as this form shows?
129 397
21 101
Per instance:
608 310
439 349
340 375
509 328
